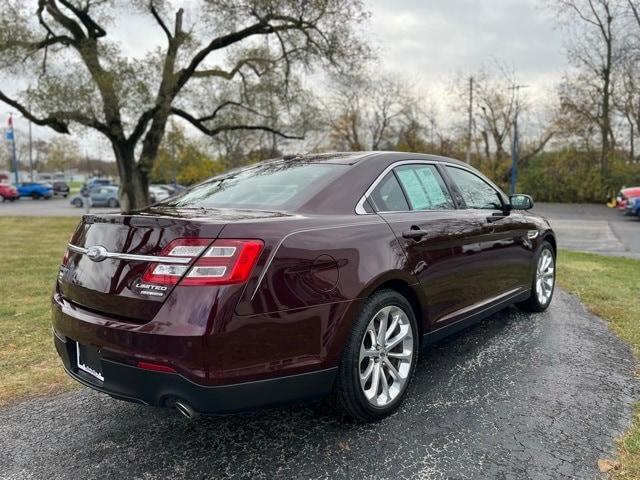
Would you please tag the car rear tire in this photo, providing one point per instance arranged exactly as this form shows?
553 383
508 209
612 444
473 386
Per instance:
77 202
380 358
544 280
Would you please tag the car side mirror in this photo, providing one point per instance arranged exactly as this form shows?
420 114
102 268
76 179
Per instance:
521 202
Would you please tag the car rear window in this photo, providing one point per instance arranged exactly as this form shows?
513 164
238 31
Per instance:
278 185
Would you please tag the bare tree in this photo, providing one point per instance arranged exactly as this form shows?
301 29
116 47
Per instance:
84 77
593 51
366 111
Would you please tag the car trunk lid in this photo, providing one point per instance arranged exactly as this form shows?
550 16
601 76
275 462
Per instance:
108 255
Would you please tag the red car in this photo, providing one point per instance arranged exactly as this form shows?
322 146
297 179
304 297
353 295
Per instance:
624 196
8 192
295 279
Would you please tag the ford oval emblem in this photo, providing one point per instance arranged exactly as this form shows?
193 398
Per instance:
97 253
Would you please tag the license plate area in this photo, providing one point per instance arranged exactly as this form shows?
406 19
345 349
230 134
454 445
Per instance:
88 360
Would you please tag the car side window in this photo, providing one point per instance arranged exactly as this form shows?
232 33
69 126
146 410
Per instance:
424 187
388 195
475 192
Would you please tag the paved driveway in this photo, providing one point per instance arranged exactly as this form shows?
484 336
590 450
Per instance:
593 228
515 397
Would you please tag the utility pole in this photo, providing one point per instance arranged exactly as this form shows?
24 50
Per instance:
173 155
470 127
515 146
30 153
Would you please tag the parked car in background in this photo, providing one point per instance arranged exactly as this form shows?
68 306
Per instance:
98 182
157 193
61 188
106 196
625 194
295 279
8 192
173 188
633 206
35 190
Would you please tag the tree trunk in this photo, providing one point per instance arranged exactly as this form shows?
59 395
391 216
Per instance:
134 183
605 127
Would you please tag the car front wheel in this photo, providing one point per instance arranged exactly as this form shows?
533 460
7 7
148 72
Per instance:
544 280
380 359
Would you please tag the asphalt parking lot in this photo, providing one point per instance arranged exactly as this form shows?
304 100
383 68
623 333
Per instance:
515 397
593 228
54 207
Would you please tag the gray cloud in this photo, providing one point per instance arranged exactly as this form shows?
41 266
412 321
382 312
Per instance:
429 40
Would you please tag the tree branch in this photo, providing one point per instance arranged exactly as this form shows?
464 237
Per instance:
39 45
93 29
228 103
160 22
635 11
50 121
141 126
70 24
83 119
229 74
570 4
225 128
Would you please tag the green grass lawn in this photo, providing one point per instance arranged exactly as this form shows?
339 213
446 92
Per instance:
30 252
74 187
610 288
31 249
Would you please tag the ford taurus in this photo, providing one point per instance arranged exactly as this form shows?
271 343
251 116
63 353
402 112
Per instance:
295 279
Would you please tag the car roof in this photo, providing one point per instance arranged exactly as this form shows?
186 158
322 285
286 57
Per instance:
352 158
338 158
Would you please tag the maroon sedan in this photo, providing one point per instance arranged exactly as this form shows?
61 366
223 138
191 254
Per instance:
295 279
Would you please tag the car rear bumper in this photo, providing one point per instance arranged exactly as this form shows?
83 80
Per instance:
121 346
127 382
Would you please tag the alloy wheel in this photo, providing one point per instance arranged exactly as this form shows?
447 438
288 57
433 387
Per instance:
545 276
386 355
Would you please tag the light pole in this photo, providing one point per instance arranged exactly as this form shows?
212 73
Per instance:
30 153
515 145
470 126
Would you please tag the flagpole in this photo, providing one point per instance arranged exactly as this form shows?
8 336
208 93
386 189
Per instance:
11 135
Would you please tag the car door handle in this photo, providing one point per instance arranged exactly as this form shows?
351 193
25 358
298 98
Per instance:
415 233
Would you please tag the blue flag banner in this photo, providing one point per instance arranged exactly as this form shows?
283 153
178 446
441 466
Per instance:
9 135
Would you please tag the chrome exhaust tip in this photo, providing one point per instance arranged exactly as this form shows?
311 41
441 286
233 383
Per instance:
186 410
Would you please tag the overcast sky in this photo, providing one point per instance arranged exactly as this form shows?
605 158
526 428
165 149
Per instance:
430 41
426 42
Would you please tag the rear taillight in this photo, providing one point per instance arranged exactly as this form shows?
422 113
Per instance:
223 262
67 253
170 274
